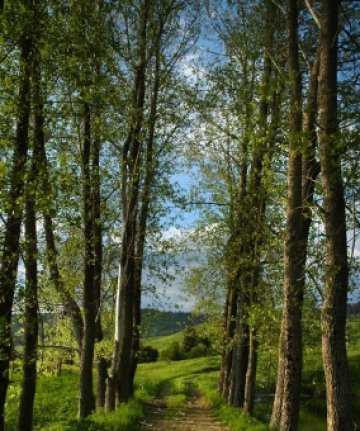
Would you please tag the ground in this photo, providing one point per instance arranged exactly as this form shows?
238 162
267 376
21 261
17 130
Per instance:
195 415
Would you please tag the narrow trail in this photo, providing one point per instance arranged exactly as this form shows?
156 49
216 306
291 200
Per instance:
195 415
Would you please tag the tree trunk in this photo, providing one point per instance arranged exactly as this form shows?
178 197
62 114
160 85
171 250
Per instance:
251 373
27 397
146 198
121 371
87 398
230 325
241 352
235 247
102 374
10 255
310 171
31 311
290 355
338 393
111 380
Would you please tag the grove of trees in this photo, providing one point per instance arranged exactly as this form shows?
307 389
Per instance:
103 102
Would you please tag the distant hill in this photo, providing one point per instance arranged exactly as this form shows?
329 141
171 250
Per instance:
154 322
157 322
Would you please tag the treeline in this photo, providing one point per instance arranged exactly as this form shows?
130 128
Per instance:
158 322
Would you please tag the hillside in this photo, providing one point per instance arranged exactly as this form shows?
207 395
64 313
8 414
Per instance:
158 322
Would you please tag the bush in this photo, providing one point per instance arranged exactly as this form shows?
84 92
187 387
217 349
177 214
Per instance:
198 351
148 354
173 352
190 339
194 346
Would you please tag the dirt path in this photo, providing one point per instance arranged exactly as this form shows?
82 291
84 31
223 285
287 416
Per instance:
196 415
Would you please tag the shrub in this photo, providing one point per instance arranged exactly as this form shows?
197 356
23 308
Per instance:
148 354
173 352
198 351
190 339
194 346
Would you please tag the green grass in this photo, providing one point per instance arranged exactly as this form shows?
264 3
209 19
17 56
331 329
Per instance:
57 396
56 405
162 343
54 400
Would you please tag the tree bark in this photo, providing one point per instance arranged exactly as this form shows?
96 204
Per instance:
230 325
10 255
249 395
27 396
229 368
287 397
146 198
241 351
310 171
87 398
101 363
338 393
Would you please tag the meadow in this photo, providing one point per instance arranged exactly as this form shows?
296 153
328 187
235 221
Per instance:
56 400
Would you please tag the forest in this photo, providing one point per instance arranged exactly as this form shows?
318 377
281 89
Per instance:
155 149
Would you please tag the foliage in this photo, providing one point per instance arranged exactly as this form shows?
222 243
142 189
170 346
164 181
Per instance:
172 353
147 354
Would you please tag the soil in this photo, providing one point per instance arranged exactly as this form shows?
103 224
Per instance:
196 415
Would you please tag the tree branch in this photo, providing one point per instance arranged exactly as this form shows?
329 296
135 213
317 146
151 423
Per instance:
314 13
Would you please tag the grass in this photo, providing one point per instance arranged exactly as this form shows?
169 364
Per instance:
57 396
162 343
56 405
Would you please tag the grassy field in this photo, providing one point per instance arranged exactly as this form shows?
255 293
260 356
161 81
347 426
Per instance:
56 400
162 343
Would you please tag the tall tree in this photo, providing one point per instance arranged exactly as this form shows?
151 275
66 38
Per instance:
336 269
247 231
287 398
146 193
87 398
14 210
27 397
120 381
92 233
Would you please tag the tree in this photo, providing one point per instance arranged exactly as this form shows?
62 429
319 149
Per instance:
14 210
158 45
120 375
249 162
336 269
28 389
290 359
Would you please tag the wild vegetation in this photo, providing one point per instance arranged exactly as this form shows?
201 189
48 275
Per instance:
153 145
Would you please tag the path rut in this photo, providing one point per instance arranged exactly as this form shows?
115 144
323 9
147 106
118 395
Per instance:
196 415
